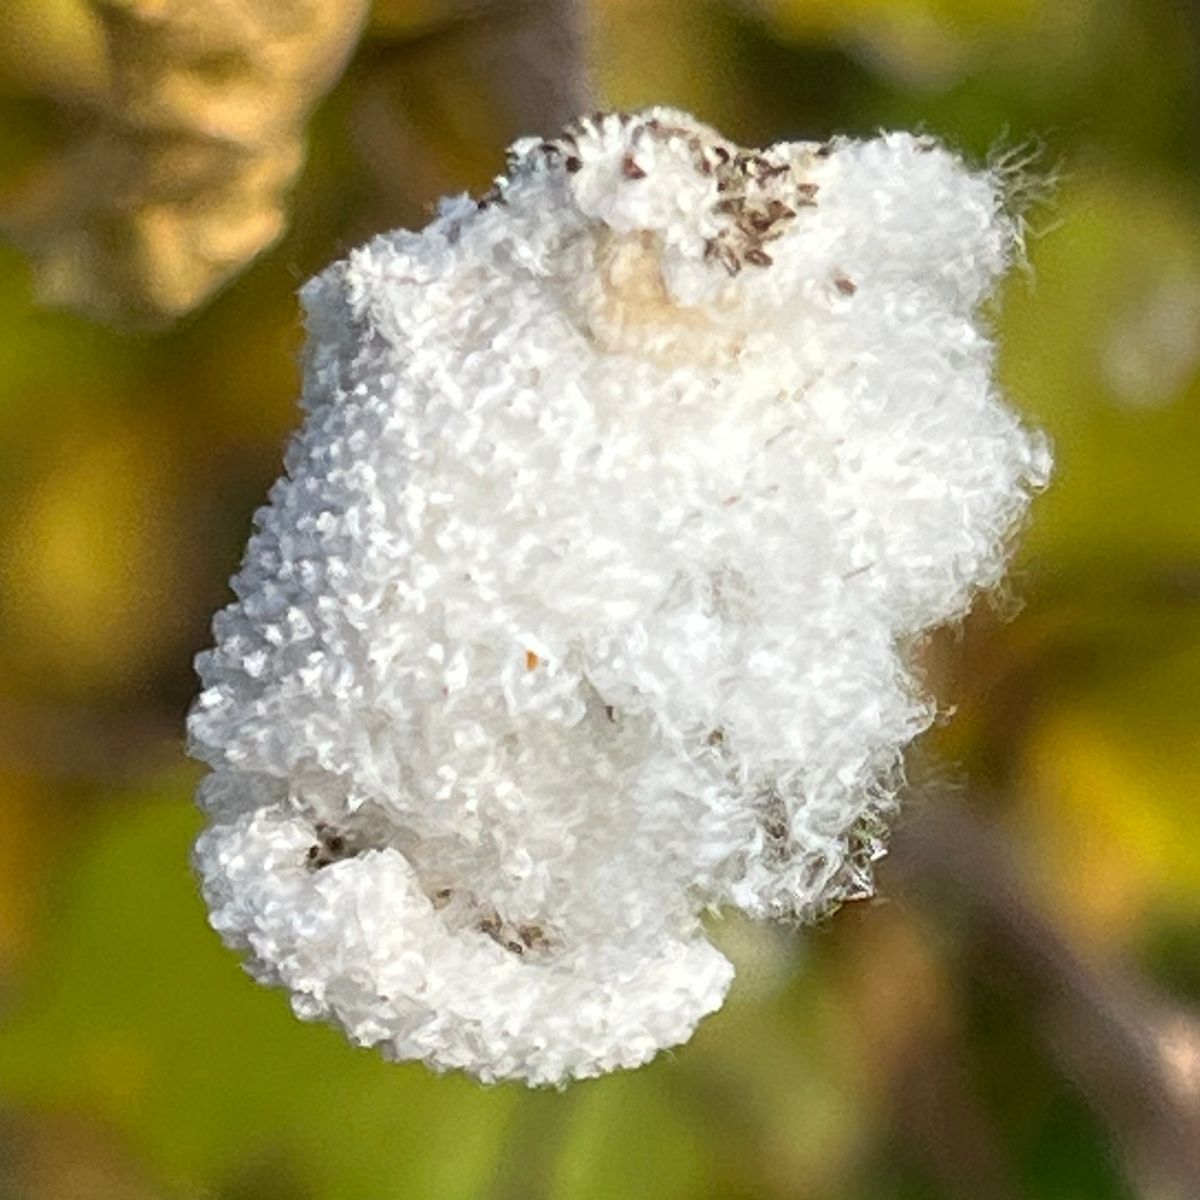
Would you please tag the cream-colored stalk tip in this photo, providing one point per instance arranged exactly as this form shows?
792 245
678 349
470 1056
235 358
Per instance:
583 604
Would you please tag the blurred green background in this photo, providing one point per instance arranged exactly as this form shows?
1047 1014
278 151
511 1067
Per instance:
1014 1017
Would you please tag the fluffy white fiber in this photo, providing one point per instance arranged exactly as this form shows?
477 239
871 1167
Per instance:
585 602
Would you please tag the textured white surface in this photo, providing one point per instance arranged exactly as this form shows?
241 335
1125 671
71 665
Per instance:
585 601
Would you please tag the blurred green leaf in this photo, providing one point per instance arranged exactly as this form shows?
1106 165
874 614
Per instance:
141 1016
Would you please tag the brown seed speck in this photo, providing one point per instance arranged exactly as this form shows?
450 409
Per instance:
846 286
630 168
573 164
729 260
533 937
492 196
531 660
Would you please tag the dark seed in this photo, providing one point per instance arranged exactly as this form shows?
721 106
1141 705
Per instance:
531 936
490 197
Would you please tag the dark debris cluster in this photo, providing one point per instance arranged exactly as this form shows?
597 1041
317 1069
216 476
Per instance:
759 192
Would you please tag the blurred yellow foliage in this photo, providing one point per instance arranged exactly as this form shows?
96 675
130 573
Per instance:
199 138
52 47
926 42
77 565
404 19
1108 783
860 17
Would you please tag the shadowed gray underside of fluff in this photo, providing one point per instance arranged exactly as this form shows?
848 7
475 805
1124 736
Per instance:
583 604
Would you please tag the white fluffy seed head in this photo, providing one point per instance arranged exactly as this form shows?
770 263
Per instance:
583 604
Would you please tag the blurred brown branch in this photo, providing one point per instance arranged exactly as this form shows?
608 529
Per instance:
435 105
78 745
1133 1053
531 53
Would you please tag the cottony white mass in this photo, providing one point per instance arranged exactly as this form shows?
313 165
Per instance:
586 601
